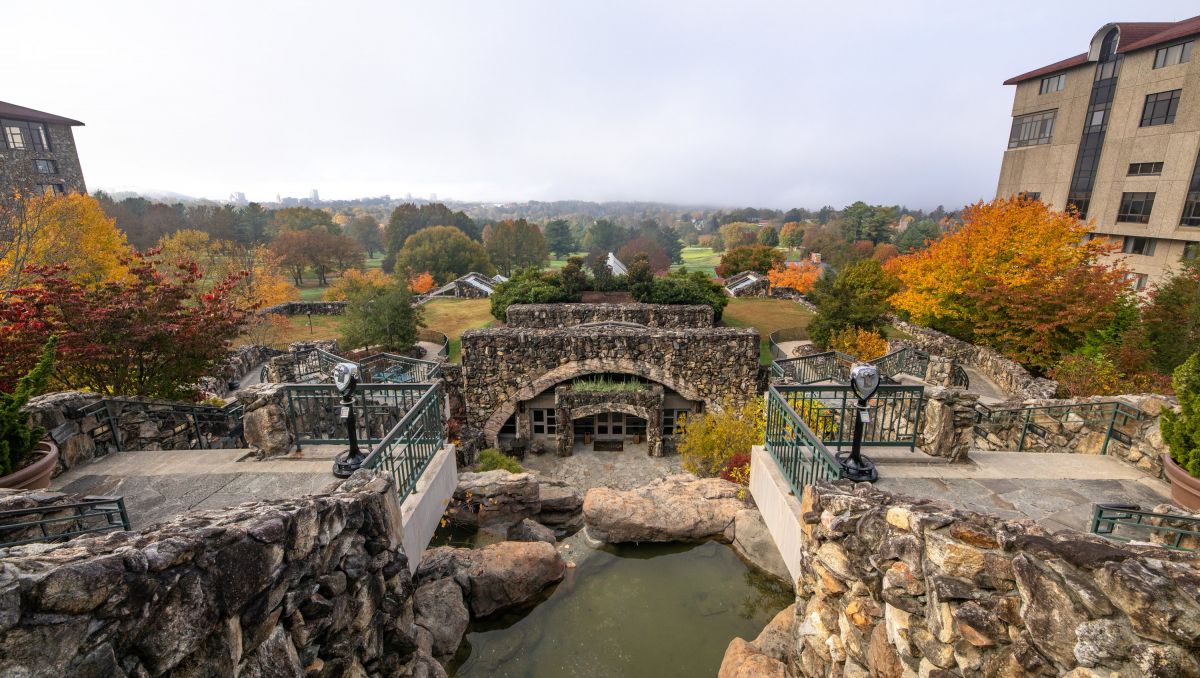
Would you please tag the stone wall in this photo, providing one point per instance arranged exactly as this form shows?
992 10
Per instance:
317 583
237 365
550 316
80 438
1010 376
503 366
17 168
947 423
291 308
1082 434
895 587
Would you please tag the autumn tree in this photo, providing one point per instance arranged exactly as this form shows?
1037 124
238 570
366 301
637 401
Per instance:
559 238
857 297
1017 276
291 249
642 246
917 235
768 236
515 244
445 253
1172 318
52 230
666 238
152 332
796 275
303 219
421 283
365 231
739 234
381 315
354 281
407 219
792 234
749 258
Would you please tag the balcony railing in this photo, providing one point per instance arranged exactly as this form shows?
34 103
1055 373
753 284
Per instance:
1127 522
829 412
179 426
409 446
60 522
313 411
1118 419
799 453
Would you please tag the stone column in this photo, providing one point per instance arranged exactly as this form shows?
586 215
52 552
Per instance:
948 423
940 372
265 419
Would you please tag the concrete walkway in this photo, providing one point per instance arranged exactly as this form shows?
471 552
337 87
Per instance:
988 390
1056 490
158 485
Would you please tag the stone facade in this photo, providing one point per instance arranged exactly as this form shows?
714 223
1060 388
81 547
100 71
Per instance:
81 436
550 316
1086 434
290 308
19 170
895 587
502 367
646 403
1010 376
318 584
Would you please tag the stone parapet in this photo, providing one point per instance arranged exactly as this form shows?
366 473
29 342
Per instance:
947 423
893 586
268 588
290 308
549 316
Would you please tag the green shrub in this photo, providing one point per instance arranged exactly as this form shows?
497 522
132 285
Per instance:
491 459
16 437
1181 431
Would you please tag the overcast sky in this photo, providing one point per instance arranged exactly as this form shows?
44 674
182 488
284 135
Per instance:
774 104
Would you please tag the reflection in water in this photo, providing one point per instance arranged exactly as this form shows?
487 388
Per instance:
653 610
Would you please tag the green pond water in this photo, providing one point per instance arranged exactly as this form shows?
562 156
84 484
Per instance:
652 610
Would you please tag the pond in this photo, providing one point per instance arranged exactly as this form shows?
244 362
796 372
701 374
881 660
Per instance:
652 610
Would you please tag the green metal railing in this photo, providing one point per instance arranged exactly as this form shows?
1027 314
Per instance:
799 453
389 368
181 426
1118 419
959 377
313 411
439 338
785 334
60 522
409 446
907 360
828 366
1127 522
829 411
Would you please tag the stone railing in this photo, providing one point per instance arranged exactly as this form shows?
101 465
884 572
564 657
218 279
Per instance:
269 588
290 308
550 316
890 587
1010 376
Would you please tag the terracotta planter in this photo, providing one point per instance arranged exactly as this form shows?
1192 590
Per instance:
1185 489
35 476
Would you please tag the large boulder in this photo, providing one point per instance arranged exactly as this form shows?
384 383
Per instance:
744 660
776 640
562 507
753 542
498 577
675 508
440 610
529 530
495 499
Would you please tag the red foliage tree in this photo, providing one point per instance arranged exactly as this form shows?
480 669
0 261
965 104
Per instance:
153 333
753 258
655 254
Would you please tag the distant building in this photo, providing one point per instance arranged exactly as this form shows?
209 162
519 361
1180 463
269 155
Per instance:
615 265
314 196
38 151
1115 133
237 198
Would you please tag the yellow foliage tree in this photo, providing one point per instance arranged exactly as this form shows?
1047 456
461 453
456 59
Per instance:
709 440
67 229
860 343
266 283
354 279
797 275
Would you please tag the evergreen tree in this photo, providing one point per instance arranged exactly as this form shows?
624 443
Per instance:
559 238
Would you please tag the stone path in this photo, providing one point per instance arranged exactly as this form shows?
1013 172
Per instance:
988 390
1056 490
586 469
789 346
158 485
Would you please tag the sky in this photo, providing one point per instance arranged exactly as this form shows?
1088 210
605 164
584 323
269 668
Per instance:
767 104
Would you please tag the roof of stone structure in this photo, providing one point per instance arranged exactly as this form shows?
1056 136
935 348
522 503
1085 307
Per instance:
8 110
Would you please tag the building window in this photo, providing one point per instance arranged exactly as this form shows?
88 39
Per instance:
1030 195
16 134
1191 211
45 167
1135 207
1145 169
509 428
41 136
1160 108
51 189
1032 130
545 422
1137 281
1053 83
1138 245
1175 54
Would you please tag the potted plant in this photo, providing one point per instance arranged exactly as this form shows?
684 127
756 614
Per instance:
1181 433
26 460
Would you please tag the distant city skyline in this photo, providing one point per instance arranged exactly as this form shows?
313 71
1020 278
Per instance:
705 103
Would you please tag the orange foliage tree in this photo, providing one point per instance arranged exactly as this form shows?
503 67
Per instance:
1016 276
422 283
797 275
354 280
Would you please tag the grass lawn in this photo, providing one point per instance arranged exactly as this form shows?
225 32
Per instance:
452 317
701 259
766 316
375 261
556 264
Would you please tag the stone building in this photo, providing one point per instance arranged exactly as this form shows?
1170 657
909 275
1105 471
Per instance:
38 152
603 376
1115 133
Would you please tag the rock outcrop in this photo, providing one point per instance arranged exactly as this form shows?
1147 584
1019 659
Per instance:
497 577
675 508
562 507
743 660
753 542
442 614
529 530
494 499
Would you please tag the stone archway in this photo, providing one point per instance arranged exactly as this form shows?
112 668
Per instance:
645 404
580 368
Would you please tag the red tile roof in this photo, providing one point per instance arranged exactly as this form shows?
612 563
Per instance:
8 110
1134 36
